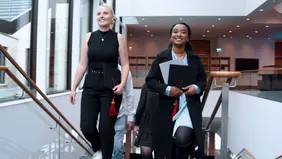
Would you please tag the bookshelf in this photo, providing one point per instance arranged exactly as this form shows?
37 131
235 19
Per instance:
219 63
206 61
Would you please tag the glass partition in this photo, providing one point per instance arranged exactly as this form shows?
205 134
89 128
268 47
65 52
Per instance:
9 90
30 132
265 83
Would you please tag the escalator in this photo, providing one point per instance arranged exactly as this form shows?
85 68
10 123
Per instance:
14 14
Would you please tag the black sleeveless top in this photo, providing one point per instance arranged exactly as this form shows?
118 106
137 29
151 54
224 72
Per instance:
103 48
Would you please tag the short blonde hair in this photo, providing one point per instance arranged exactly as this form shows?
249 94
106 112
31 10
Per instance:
108 6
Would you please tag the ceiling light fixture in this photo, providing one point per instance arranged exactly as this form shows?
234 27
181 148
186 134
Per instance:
208 31
238 26
261 10
143 19
180 18
230 37
218 18
213 26
130 34
248 19
204 35
268 38
146 26
247 36
267 26
256 31
152 35
224 35
230 31
148 31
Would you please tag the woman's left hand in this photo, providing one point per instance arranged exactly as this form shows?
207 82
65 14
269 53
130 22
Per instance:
118 89
190 90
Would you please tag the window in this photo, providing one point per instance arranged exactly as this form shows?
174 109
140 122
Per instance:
58 44
17 34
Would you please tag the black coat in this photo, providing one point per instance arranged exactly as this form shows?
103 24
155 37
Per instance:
147 104
162 122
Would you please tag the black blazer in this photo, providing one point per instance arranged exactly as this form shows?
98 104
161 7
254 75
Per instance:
162 123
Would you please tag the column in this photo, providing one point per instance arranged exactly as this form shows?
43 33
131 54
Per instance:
41 62
76 35
96 4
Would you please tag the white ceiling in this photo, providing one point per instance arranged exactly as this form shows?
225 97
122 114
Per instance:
254 28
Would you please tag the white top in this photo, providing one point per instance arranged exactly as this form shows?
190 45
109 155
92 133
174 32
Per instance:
127 104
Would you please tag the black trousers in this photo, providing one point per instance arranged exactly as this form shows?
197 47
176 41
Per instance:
95 100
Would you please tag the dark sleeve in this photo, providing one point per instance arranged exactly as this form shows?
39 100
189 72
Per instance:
141 106
154 78
202 81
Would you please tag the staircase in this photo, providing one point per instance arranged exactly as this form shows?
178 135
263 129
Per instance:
11 9
14 14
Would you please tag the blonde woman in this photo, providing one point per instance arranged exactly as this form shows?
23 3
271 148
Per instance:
104 83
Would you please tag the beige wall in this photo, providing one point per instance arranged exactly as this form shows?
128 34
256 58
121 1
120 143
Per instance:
146 44
245 48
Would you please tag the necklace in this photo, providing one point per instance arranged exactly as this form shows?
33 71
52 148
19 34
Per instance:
103 38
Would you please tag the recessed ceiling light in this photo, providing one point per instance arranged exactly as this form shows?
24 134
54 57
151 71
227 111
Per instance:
247 36
213 26
230 37
261 10
256 31
267 26
248 19
148 31
218 18
250 38
268 38
230 31
130 34
208 31
146 26
180 18
238 26
224 35
143 19
204 35
152 35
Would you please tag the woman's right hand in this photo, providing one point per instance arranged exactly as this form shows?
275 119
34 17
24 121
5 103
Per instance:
72 97
136 130
174 92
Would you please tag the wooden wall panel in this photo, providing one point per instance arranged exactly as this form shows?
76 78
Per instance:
202 46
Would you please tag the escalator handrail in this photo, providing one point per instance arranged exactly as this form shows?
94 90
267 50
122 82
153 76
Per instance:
28 92
18 67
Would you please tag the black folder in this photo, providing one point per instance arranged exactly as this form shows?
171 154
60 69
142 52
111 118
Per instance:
181 76
112 76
